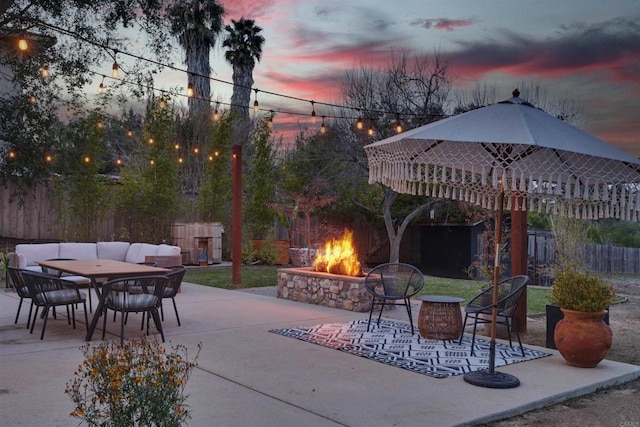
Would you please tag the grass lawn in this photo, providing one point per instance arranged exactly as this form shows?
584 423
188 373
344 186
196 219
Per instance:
259 276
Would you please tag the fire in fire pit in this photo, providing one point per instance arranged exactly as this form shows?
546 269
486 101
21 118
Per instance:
339 257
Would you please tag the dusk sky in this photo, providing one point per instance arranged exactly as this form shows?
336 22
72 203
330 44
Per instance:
587 51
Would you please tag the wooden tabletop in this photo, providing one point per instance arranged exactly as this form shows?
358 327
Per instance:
102 268
445 299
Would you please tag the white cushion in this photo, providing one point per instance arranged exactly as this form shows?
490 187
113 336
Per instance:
38 252
83 251
137 252
164 250
78 280
116 251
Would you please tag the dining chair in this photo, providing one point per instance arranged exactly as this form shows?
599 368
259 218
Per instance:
49 291
171 290
133 294
80 281
480 308
393 284
17 282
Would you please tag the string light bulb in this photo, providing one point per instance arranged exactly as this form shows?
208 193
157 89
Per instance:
190 92
370 131
162 103
23 44
196 150
119 161
359 124
313 113
176 146
12 154
86 159
216 113
114 70
150 141
152 162
48 158
270 119
129 133
101 87
398 125
256 105
44 72
323 128
32 99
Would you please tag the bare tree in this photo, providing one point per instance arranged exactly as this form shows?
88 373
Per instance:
410 91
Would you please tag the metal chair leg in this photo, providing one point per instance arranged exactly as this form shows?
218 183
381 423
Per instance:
175 308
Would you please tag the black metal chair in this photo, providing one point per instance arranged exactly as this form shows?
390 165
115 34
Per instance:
80 281
50 291
393 284
17 282
480 307
133 294
171 290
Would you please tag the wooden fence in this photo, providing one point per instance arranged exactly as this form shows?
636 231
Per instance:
37 220
600 258
34 217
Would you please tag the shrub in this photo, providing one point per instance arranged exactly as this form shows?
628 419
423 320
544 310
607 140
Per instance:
138 384
581 291
268 253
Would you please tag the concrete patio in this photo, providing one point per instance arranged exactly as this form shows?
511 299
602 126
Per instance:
248 376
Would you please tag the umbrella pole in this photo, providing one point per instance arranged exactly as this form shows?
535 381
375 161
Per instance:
490 378
496 279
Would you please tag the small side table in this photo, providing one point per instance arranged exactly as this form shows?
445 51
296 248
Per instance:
440 317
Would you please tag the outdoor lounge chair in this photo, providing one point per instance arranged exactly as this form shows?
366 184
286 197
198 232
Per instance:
393 284
480 307
50 291
133 294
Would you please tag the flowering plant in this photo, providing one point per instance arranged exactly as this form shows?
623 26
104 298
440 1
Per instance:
138 384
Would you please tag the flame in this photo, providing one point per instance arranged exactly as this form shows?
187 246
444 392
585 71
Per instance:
339 257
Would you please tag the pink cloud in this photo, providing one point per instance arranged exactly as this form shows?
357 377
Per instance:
259 10
442 23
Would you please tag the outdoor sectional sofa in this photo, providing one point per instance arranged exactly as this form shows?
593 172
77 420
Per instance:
27 255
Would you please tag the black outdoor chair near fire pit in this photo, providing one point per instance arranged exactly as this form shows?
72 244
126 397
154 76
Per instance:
393 284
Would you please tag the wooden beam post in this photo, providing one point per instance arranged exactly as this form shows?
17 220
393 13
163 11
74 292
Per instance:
236 215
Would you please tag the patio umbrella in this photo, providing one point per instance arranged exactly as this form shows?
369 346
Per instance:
516 153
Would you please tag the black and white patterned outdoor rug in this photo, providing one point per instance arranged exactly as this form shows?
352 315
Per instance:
392 343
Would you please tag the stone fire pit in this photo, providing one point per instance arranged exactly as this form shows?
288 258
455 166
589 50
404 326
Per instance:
332 290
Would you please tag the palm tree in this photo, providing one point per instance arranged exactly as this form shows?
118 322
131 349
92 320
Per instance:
244 47
197 25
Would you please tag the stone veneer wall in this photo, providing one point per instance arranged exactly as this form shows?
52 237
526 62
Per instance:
332 290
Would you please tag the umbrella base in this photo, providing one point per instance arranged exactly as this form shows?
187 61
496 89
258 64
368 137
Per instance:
491 379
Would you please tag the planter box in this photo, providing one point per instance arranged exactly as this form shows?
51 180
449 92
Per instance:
281 247
164 260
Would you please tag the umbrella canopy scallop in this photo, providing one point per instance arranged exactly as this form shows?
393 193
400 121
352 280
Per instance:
554 166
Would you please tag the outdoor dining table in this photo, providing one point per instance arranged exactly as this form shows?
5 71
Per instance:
101 268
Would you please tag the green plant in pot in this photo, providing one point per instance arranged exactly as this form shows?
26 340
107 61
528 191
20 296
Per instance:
582 337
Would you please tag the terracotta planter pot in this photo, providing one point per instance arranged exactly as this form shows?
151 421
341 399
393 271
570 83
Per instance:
582 338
